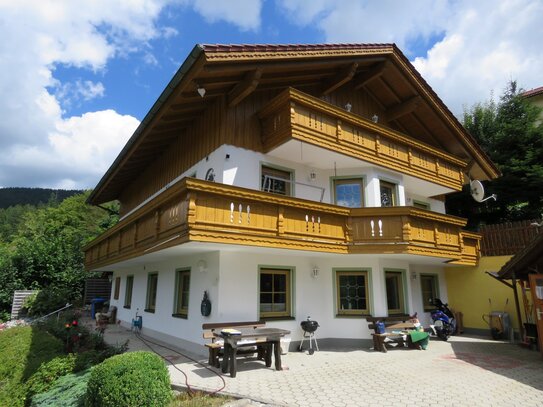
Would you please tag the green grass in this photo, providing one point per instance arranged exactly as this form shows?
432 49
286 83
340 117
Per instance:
199 399
22 351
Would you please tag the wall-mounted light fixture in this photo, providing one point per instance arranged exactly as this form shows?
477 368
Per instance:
201 90
375 118
201 266
348 106
110 277
413 275
312 175
315 272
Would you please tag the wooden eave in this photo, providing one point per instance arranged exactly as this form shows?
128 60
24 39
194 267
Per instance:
236 72
529 260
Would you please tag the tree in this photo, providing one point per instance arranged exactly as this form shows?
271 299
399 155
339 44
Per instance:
46 252
510 134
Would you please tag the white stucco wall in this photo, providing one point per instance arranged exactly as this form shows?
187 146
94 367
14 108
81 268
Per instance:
231 279
242 168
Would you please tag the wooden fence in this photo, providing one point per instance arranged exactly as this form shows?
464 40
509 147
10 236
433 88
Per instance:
507 238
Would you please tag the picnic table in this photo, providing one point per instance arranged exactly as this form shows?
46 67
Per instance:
269 338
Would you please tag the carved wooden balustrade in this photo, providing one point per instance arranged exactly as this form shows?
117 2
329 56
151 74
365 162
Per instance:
294 115
195 210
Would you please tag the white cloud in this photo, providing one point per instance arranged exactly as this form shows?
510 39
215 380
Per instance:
243 13
481 45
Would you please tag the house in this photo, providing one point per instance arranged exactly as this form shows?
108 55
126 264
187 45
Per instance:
287 181
535 97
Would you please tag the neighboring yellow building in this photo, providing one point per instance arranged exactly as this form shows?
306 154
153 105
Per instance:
471 288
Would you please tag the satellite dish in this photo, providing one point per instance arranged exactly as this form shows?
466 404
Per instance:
478 191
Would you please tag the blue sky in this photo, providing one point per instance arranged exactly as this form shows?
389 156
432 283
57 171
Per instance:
80 75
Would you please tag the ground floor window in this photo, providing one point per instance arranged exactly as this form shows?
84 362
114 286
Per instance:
182 288
429 288
152 282
395 292
275 292
352 292
117 288
128 291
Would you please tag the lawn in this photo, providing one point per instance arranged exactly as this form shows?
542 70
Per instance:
22 351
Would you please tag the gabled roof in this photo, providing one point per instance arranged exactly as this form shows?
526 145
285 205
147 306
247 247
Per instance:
532 92
233 71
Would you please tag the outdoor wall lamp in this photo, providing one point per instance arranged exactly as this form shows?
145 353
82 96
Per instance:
315 272
348 107
201 90
375 118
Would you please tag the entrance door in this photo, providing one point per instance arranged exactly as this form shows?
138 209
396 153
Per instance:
536 286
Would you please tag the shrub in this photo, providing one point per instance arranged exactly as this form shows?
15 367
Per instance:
130 379
43 379
22 351
51 299
68 391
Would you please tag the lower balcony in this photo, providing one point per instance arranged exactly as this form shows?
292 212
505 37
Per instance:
201 211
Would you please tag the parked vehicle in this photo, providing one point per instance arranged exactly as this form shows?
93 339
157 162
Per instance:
444 323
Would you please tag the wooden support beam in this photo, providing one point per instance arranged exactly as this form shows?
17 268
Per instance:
374 72
403 108
341 78
245 87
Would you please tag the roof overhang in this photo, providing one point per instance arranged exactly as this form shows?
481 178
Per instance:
233 72
528 260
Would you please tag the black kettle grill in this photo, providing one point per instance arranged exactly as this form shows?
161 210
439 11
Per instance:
309 326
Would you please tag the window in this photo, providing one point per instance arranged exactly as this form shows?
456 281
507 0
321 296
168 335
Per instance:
274 292
388 193
150 303
182 289
429 285
352 292
117 288
276 181
128 291
395 292
349 192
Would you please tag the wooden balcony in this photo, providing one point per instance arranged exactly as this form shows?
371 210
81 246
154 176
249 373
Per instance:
294 115
201 211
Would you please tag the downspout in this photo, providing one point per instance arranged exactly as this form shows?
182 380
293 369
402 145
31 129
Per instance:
517 306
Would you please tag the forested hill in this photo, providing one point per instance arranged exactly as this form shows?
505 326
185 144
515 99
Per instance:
32 196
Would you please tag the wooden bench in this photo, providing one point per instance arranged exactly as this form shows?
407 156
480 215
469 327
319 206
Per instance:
393 326
215 347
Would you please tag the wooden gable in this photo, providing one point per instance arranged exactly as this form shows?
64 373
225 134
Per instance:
183 127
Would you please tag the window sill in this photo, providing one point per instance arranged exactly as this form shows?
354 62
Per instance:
182 316
277 318
126 307
152 311
359 316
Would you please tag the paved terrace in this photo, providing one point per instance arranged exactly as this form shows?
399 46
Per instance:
466 371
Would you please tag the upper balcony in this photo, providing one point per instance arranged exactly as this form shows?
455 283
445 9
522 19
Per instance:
294 115
200 211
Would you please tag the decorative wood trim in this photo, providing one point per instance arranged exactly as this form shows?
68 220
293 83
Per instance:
245 87
374 72
343 76
196 210
403 108
384 146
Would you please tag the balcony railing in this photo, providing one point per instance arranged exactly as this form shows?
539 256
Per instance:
195 210
294 115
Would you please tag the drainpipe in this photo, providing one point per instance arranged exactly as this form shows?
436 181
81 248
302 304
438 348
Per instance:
517 306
